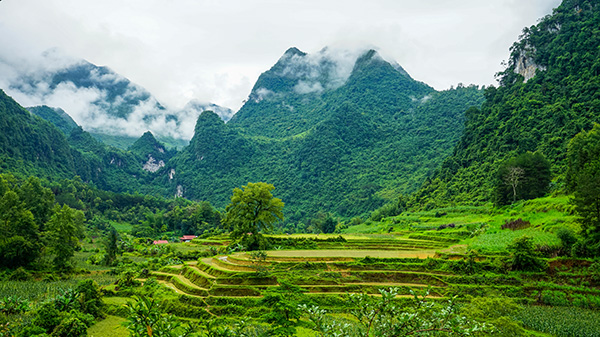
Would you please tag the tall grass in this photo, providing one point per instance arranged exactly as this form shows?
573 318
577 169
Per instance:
37 291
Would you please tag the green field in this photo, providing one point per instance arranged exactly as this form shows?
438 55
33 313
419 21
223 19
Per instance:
466 261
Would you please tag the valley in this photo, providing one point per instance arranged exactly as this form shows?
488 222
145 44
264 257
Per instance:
344 198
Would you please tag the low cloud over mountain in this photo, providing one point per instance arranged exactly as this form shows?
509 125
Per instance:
97 98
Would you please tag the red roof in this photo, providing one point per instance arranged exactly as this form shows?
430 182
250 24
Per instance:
158 242
188 237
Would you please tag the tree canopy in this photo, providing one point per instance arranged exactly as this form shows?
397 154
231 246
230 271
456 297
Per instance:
252 210
583 179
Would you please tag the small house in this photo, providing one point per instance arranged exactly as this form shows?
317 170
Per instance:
160 242
187 238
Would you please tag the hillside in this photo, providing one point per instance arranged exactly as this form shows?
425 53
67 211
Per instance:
549 92
56 116
153 154
346 147
30 145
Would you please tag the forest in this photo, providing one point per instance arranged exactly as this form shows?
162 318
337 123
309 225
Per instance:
380 207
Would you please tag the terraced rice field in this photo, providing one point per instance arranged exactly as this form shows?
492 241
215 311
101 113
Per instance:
326 273
234 284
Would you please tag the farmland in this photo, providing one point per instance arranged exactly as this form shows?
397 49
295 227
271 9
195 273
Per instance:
207 282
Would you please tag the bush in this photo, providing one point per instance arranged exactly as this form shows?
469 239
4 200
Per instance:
451 225
555 298
567 239
90 298
20 274
47 316
13 305
524 256
498 311
70 327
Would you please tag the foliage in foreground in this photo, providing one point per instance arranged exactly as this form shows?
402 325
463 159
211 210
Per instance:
68 314
382 317
146 320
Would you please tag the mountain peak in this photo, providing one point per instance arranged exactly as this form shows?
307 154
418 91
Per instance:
299 84
294 51
151 151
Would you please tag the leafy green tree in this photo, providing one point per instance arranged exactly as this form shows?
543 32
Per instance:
587 200
90 298
328 226
583 179
111 246
19 242
64 230
284 301
252 210
38 200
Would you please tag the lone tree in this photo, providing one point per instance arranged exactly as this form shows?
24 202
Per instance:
252 210
65 228
513 177
526 176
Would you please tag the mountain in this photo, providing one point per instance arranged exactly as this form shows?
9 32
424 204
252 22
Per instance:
301 89
154 154
30 145
108 168
339 132
103 102
196 107
549 92
57 116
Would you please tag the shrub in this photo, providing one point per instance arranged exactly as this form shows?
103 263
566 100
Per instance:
450 225
90 297
20 274
13 305
47 316
498 311
567 239
554 298
524 256
70 327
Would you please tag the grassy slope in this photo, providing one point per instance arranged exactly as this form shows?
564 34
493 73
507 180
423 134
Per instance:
111 326
546 215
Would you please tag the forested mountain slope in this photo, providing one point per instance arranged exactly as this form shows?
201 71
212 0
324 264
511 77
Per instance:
549 92
56 116
30 145
331 137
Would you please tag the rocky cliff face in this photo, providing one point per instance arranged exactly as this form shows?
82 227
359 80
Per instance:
525 65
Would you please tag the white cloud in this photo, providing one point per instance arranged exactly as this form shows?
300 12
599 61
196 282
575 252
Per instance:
215 50
305 88
262 93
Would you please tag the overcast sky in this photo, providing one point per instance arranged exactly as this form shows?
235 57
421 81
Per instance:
214 50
